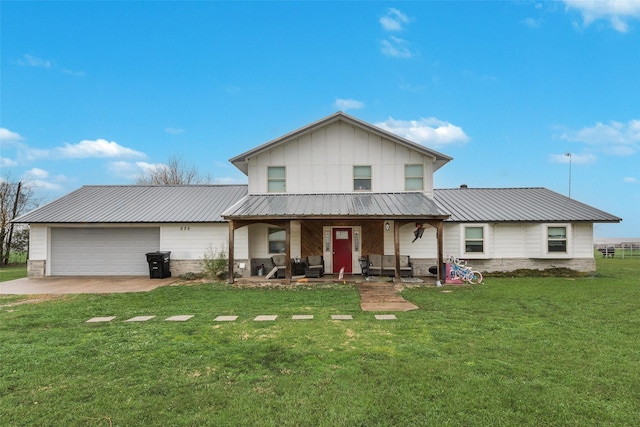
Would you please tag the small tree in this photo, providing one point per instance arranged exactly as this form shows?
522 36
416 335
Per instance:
175 172
15 199
216 264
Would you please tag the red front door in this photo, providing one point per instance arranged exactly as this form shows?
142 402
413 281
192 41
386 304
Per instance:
342 250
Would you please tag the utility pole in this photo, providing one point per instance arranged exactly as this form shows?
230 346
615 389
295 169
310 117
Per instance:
569 155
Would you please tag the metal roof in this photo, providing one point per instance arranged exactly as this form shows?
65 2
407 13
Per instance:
385 205
139 204
214 203
241 160
515 205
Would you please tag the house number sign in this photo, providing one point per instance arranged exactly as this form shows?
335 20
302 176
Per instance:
185 228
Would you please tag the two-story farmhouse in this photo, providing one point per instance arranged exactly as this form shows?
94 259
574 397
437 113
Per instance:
339 188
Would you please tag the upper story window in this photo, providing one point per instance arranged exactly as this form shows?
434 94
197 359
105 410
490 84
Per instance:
276 179
557 239
474 239
413 177
362 178
277 240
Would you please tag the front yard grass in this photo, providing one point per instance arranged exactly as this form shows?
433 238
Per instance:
522 351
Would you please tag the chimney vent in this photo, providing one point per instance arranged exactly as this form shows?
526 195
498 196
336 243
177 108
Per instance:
464 186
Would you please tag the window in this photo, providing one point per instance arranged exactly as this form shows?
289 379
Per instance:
557 239
362 178
277 240
413 178
474 239
276 179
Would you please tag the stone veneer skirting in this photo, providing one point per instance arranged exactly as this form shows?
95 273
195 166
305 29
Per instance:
182 266
36 268
585 265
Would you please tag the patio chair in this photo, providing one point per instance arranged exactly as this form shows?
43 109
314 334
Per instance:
279 261
315 266
375 264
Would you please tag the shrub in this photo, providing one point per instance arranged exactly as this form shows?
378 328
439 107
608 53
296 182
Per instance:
215 264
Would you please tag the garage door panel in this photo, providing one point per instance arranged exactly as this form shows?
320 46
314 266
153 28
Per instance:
102 251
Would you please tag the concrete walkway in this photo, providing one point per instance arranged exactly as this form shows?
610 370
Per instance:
375 296
82 285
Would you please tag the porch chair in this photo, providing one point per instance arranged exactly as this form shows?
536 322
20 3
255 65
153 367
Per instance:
315 266
279 261
375 264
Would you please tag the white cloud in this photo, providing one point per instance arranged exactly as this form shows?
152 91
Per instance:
36 173
614 138
6 162
617 12
426 131
33 61
40 178
396 47
131 170
531 22
174 131
99 148
7 135
348 104
630 179
394 20
582 159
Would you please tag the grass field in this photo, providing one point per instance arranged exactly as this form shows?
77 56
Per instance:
525 351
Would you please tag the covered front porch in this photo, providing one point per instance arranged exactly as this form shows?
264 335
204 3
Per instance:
343 229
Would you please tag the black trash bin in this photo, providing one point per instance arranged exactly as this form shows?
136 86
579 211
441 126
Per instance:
159 263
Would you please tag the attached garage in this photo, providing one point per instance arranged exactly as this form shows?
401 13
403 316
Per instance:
102 251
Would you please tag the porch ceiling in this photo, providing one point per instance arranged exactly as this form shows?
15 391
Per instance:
350 205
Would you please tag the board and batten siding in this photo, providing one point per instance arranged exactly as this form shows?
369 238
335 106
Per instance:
322 162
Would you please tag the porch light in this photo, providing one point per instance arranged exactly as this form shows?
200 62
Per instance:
387 226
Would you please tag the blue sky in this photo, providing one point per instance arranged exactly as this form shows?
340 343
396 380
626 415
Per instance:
95 92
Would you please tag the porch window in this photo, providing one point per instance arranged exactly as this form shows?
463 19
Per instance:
557 239
474 239
276 179
362 178
413 177
277 240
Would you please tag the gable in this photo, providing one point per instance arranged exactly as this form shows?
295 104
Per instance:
242 161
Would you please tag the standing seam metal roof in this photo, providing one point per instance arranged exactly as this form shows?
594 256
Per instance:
515 205
139 204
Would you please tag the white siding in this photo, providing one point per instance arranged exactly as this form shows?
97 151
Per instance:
508 241
192 241
38 242
323 161
583 240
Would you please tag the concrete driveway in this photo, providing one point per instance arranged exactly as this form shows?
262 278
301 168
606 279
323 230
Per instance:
82 285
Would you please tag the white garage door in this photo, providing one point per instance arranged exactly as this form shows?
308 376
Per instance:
102 251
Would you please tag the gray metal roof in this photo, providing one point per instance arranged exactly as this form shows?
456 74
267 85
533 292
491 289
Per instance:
213 203
139 204
385 205
515 205
241 160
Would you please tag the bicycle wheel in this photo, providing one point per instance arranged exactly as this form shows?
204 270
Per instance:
476 277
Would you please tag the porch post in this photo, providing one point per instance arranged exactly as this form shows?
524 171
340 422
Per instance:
230 277
440 234
396 248
287 258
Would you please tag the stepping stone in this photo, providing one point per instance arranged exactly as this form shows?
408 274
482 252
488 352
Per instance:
101 319
140 319
386 317
265 318
182 318
341 317
225 318
302 317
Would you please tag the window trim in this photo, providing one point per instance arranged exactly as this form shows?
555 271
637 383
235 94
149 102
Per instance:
483 240
549 239
370 178
270 230
406 177
279 180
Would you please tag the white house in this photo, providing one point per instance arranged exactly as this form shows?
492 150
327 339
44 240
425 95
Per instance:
340 188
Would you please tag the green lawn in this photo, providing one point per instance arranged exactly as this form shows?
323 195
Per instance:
525 351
